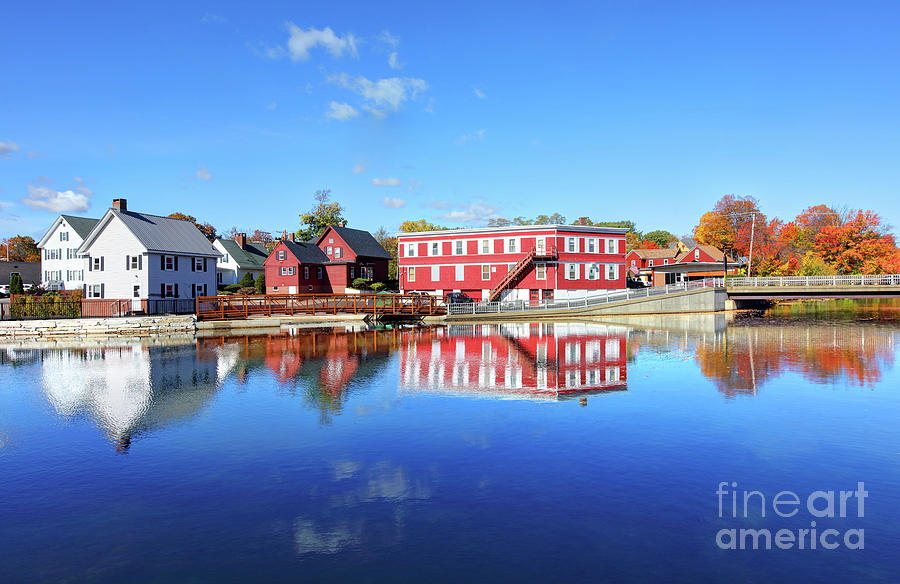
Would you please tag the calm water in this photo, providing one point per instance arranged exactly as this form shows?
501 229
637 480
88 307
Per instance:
524 452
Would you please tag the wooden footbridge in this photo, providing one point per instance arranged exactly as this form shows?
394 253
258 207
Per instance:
239 307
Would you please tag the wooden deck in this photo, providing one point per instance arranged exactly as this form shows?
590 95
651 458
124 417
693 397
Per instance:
238 307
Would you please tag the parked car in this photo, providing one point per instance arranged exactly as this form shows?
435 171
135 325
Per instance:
4 291
457 297
637 284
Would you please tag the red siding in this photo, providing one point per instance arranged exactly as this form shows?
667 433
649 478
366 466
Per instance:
704 257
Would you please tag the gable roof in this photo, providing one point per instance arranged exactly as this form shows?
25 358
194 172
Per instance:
81 225
251 257
361 242
307 253
157 234
711 250
652 254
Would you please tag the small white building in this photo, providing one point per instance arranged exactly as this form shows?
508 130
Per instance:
239 257
147 257
61 267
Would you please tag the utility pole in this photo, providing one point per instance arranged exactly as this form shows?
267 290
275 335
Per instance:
752 229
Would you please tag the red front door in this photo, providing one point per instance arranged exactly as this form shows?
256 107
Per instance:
535 297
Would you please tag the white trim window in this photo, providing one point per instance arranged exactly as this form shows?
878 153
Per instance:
592 245
649 263
593 272
540 271
64 236
459 247
459 272
612 246
199 264
328 250
571 246
338 253
666 262
696 255
512 245
411 250
98 264
281 255
287 270
169 263
435 248
134 262
485 272
95 291
612 271
572 271
435 273
485 246
411 274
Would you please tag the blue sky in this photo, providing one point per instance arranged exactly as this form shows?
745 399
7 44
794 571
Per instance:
236 113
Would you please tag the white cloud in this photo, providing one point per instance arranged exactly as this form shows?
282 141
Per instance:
390 93
394 61
387 182
73 200
359 168
390 40
393 202
7 148
33 154
478 93
302 41
204 173
477 136
478 211
376 113
341 111
414 185
440 204
6 205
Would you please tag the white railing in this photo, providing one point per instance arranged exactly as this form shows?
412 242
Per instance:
592 300
880 280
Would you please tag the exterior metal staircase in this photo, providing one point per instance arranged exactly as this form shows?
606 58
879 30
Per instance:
517 270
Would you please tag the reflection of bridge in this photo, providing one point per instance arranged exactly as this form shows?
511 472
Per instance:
237 307
789 287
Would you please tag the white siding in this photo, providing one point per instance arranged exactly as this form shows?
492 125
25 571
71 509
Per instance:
231 272
68 267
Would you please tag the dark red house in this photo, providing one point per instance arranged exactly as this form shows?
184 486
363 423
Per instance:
327 265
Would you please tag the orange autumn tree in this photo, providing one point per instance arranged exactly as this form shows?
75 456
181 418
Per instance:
861 245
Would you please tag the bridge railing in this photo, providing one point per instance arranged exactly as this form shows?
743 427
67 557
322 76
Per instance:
862 280
584 302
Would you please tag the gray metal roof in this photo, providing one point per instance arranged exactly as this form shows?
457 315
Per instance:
81 225
307 253
251 257
167 235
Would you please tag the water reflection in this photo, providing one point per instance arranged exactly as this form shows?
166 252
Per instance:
548 360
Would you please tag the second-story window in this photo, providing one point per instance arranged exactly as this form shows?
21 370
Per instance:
198 264
459 247
411 250
511 246
592 245
64 236
281 255
134 262
611 246
98 264
169 263
435 248
540 271
485 246
571 247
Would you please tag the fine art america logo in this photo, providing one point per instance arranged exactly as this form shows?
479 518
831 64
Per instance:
817 506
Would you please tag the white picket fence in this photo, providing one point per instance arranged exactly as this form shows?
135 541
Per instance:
880 280
592 300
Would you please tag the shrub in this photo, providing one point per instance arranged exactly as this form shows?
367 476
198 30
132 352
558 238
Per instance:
232 287
246 291
246 281
15 285
361 283
260 284
378 286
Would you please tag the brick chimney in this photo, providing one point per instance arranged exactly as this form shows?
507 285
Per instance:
120 204
241 239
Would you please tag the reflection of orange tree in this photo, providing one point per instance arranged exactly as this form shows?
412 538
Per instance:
821 354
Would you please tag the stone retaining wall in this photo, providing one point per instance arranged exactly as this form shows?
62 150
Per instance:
132 326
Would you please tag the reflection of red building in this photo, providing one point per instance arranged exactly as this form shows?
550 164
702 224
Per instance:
523 359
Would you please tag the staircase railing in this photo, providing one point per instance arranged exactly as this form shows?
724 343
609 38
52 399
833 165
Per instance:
517 270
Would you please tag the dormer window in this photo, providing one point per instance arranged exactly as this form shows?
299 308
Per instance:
696 255
281 255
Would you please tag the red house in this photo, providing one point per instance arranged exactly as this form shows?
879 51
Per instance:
327 265
522 262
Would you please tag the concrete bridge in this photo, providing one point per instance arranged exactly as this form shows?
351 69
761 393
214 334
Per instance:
710 295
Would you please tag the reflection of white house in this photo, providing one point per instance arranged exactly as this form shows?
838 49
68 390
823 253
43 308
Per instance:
140 256
61 268
239 257
126 390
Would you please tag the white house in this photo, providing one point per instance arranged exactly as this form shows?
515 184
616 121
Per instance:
61 268
147 257
239 257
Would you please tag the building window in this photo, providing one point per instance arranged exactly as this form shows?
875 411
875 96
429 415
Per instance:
411 275
485 246
288 271
219 278
328 250
330 240
319 273
459 273
306 272
64 236
632 263
696 255
169 290
649 263
435 248
137 292
666 262
169 263
338 253
411 250
95 291
571 247
459 247
572 272
134 262
611 246
98 264
612 272
435 273
198 264
540 271
511 246
281 255
352 273
593 272
485 272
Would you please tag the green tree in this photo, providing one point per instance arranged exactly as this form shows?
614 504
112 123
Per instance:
246 281
260 284
389 243
420 225
660 237
324 213
15 285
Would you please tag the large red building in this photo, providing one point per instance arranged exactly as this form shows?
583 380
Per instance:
327 265
530 262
